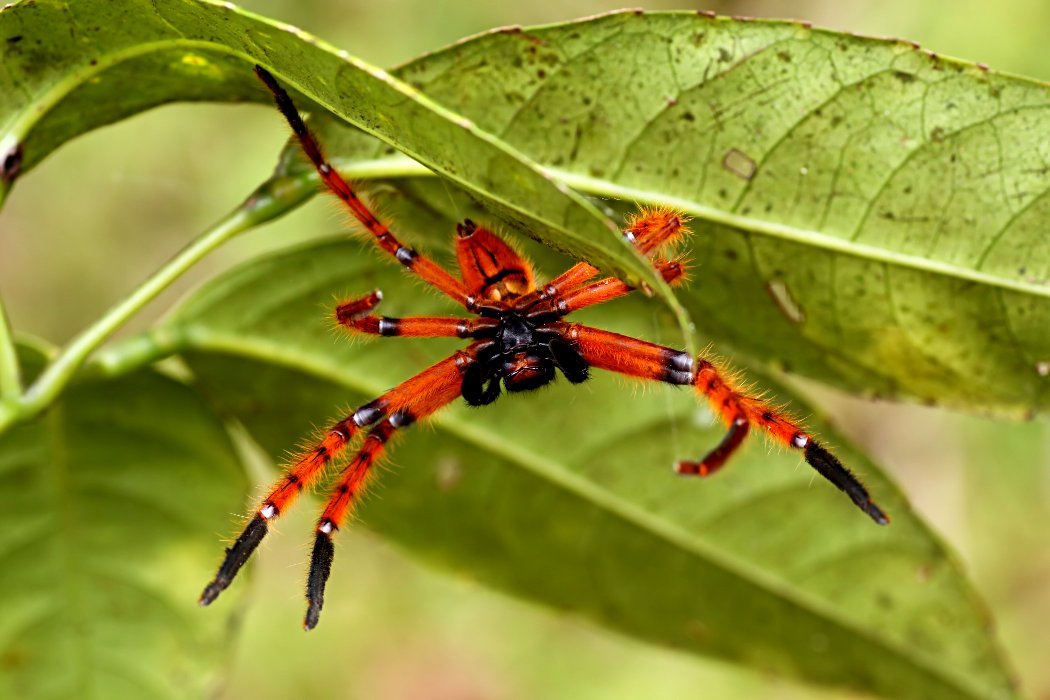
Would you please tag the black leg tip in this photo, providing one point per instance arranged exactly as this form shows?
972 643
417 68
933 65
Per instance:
875 513
313 615
265 75
320 568
236 556
832 470
211 592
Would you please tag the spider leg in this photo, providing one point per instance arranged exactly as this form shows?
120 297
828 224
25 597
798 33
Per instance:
426 269
649 231
598 292
345 495
653 229
638 358
441 392
576 275
356 315
603 290
416 397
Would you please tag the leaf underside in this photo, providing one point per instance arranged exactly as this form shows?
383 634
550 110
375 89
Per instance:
198 50
867 213
828 173
114 499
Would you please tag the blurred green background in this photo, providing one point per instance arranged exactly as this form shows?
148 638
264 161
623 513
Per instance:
93 220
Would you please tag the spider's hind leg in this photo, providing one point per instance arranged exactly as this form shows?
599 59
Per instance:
298 477
346 494
738 409
411 400
716 458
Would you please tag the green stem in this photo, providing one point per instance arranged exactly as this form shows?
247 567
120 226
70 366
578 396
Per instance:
73 356
272 199
10 372
138 351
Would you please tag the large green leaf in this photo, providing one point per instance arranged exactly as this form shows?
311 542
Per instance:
566 496
867 213
828 173
112 503
73 66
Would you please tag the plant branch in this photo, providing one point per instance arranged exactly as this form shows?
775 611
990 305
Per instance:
272 199
140 350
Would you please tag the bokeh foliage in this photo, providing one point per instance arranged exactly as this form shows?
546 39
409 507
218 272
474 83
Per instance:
813 283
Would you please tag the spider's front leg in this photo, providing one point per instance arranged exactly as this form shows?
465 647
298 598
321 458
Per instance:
356 315
411 400
650 231
426 269
637 358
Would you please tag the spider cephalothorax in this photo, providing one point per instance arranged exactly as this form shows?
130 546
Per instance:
522 349
520 340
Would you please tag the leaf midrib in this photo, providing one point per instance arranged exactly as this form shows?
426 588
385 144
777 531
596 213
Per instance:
253 348
398 166
57 480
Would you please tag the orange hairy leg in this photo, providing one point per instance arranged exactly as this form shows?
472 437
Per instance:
426 269
654 228
350 487
738 410
356 315
609 288
417 403
649 231
414 397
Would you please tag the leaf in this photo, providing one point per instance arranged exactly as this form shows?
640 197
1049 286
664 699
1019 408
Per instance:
196 50
112 503
565 496
867 213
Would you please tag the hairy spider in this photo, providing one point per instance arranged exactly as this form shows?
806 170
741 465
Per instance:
519 340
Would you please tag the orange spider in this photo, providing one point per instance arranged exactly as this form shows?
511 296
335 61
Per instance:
520 340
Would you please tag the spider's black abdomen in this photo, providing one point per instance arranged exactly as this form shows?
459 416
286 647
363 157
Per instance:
527 370
523 356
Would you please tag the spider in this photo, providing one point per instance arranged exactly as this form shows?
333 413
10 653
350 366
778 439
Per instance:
519 342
